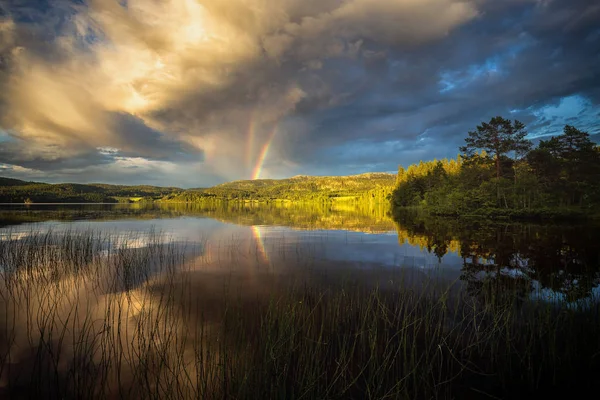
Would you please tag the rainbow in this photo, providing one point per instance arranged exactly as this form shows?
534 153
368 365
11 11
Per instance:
263 155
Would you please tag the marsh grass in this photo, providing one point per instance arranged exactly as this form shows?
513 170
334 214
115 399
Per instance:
83 317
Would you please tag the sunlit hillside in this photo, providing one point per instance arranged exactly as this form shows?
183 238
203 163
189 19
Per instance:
299 188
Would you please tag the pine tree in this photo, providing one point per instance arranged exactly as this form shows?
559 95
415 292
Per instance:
498 138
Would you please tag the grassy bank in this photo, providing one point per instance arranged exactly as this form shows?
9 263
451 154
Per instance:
86 315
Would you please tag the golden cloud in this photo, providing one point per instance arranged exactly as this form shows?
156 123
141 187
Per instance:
196 71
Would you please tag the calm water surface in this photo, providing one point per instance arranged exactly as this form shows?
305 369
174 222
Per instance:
548 261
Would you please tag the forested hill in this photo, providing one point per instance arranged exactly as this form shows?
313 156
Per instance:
13 182
374 186
17 191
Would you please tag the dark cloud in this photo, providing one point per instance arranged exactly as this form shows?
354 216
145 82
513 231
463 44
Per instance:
364 85
16 152
136 139
514 60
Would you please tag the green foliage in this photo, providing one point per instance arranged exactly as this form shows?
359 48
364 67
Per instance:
16 191
558 179
497 138
369 188
569 165
418 179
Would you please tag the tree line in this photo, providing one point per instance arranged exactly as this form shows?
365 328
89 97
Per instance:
371 188
500 172
16 191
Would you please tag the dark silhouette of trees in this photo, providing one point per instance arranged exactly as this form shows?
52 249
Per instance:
497 138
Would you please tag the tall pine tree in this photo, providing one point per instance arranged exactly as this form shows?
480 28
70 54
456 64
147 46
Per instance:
497 138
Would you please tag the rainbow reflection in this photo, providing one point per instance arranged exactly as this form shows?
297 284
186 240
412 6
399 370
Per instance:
260 243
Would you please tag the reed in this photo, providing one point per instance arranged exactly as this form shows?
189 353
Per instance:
90 315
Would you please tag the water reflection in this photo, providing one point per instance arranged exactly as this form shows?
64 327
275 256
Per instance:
550 262
313 216
150 289
260 243
278 233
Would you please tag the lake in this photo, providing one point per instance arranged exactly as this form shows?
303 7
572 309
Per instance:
284 301
553 260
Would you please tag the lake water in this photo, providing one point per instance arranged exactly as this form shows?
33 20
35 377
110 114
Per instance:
195 301
254 242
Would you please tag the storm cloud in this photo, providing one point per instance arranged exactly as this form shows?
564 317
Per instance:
194 92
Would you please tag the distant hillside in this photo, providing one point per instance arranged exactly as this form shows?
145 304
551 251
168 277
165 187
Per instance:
362 181
17 191
12 182
374 187
298 188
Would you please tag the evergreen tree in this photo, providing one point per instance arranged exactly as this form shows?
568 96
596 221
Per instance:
497 138
499 170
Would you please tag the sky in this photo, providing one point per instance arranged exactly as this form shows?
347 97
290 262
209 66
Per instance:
193 93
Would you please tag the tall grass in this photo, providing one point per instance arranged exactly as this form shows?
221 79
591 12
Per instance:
84 315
